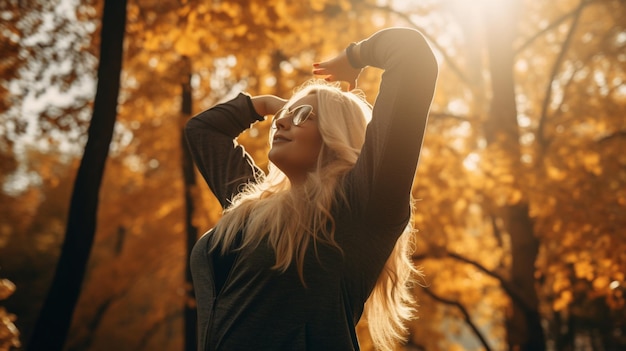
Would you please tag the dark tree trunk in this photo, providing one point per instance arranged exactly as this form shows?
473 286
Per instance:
52 327
191 231
524 330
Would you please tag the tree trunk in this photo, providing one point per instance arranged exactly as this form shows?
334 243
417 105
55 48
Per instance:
189 176
52 327
524 331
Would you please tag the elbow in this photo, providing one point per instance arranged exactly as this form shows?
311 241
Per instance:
190 127
419 50
417 55
422 59
430 69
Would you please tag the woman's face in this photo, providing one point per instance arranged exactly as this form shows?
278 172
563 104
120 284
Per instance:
295 149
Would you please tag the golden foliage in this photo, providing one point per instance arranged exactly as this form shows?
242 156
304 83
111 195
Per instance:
9 335
566 165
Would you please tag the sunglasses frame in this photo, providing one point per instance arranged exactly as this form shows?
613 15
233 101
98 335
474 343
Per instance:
295 112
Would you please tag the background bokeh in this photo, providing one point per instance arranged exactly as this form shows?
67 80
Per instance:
521 185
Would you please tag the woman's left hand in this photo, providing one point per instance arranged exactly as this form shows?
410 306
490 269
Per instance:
338 69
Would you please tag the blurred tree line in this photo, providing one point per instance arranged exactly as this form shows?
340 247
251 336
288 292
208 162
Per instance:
521 184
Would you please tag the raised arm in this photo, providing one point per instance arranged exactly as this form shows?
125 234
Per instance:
211 138
380 183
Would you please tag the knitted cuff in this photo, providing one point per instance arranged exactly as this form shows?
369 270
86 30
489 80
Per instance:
353 61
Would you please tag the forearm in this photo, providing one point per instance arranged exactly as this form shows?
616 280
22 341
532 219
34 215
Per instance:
396 132
223 164
267 104
387 47
229 118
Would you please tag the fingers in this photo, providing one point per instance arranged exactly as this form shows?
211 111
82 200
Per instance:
334 73
323 72
320 70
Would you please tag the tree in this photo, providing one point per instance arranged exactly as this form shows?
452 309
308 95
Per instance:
524 144
189 177
524 330
499 199
52 327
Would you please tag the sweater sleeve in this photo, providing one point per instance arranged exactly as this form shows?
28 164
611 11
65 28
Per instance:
381 180
211 134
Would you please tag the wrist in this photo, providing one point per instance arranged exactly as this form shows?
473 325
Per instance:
353 53
260 105
267 104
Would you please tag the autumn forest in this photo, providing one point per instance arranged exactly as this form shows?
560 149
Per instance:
520 189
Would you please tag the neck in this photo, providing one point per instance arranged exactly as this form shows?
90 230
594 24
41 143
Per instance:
296 179
297 182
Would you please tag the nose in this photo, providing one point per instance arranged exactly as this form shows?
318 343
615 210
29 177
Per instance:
283 123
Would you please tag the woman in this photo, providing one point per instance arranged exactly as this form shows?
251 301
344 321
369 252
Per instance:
300 250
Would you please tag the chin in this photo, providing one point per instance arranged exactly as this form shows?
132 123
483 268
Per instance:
271 156
274 159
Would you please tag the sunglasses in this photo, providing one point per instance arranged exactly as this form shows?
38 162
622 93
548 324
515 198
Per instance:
298 115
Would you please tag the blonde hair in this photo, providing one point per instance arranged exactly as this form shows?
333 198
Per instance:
266 210
392 303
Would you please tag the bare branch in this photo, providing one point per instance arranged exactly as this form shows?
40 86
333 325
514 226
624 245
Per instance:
508 288
449 115
540 33
496 230
152 331
543 141
433 42
94 323
466 315
616 135
555 71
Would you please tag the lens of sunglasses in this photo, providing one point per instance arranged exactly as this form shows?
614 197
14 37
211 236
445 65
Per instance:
299 115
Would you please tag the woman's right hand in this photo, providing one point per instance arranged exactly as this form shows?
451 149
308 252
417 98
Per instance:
267 104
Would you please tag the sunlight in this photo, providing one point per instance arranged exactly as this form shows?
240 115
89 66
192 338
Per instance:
523 120
471 161
474 7
470 6
19 181
621 90
458 107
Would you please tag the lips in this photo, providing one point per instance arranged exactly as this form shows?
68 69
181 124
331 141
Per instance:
279 138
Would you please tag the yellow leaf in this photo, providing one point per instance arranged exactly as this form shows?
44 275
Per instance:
186 46
562 301
317 5
583 270
555 173
240 30
591 161
601 283
6 288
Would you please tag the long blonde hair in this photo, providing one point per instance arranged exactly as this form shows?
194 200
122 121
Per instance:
267 210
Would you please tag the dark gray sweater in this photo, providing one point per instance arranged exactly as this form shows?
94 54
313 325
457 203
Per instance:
259 308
